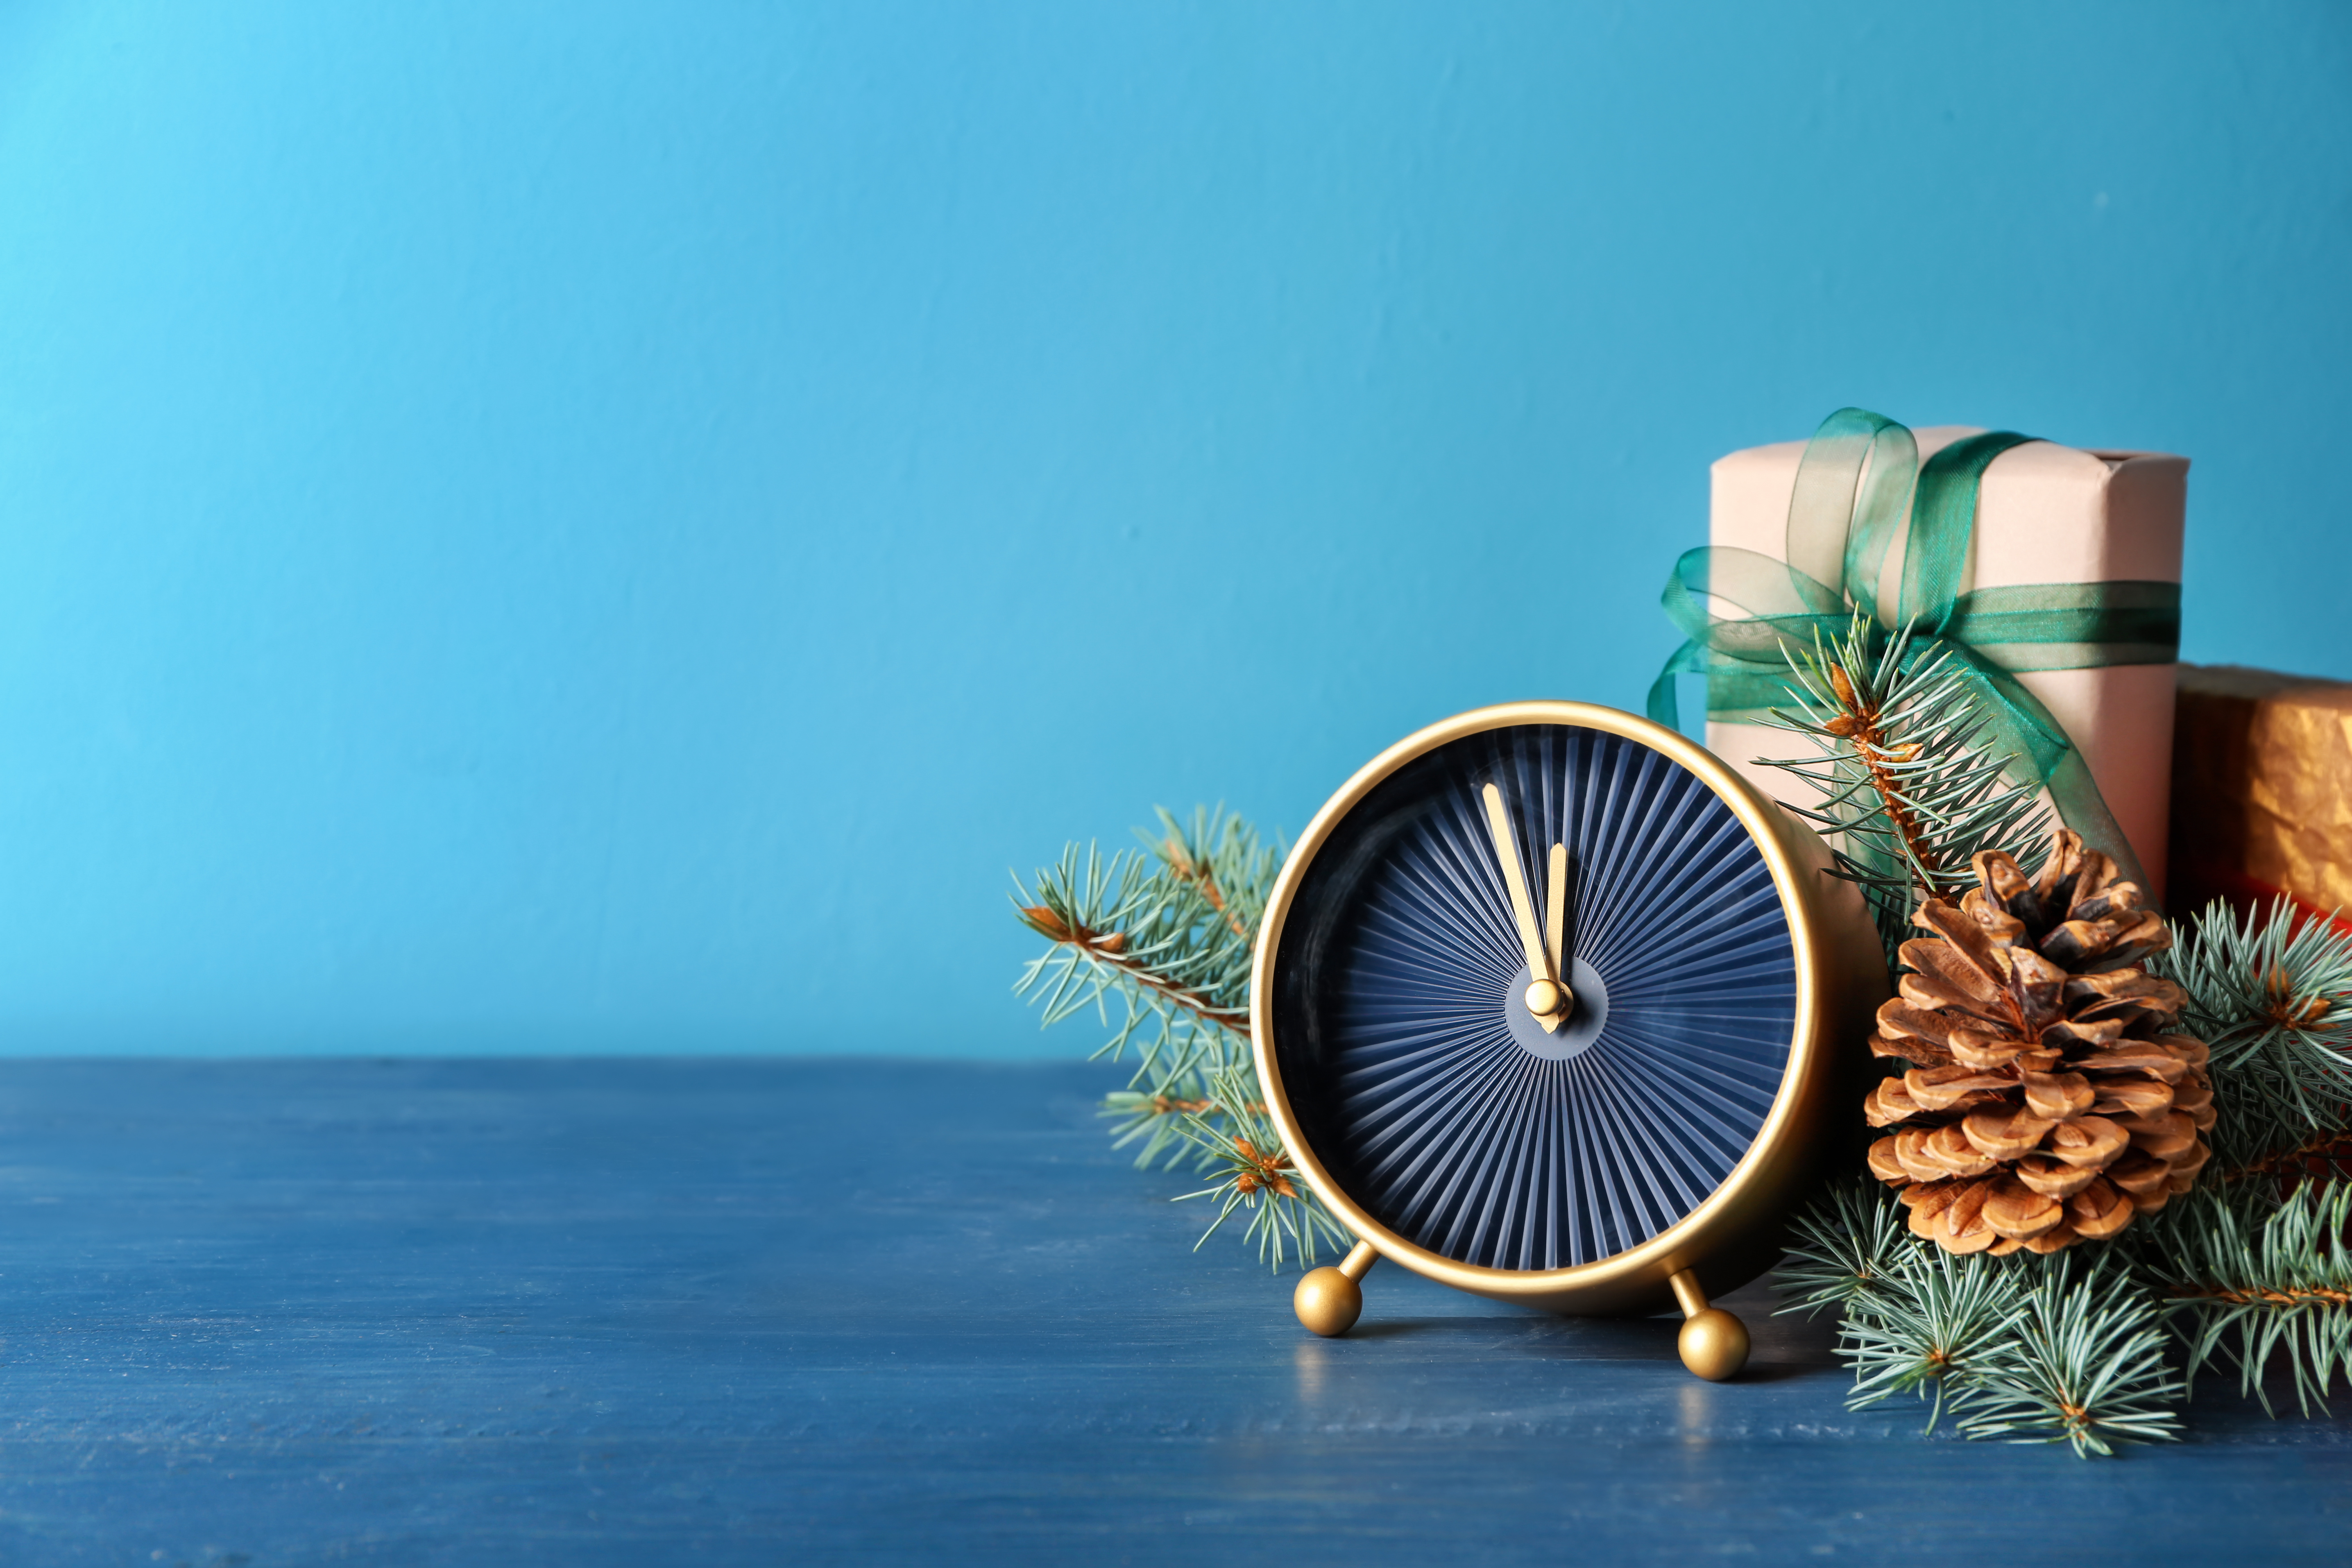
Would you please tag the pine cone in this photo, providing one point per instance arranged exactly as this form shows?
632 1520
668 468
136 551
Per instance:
2049 1100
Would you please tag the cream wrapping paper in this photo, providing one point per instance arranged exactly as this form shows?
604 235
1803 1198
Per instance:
2045 513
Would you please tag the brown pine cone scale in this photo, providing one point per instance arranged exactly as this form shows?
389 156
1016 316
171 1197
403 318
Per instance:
2047 1098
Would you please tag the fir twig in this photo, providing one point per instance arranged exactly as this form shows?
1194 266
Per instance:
1850 1247
1220 856
1157 1118
1948 1322
2083 1365
1907 789
2259 1287
2028 1348
1120 925
2272 993
1257 1178
1168 932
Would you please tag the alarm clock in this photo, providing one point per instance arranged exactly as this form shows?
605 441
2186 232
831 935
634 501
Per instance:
1549 1003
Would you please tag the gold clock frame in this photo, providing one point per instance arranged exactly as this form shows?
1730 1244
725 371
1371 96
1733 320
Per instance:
1732 1235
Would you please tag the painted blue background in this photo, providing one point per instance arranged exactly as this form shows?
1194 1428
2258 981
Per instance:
611 526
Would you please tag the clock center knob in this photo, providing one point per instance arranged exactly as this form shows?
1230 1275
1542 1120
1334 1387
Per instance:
1545 999
1583 1015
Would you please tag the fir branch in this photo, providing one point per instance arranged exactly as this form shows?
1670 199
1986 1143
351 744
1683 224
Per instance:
1122 924
1169 931
2257 1284
2271 995
1169 934
1906 789
1157 1118
1257 1176
1850 1247
2083 1364
1948 1322
1163 1118
1223 857
2029 1347
2326 1156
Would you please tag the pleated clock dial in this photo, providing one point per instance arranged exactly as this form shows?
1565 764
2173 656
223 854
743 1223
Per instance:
1546 1005
1455 1114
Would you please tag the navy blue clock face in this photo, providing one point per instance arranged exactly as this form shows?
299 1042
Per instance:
1400 989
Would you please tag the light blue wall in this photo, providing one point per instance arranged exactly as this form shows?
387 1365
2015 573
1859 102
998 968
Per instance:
611 526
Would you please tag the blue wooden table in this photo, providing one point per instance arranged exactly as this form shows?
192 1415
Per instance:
760 1312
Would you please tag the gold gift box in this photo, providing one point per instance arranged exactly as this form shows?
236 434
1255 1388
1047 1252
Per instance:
2262 789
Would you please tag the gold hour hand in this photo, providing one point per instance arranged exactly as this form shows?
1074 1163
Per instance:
1545 998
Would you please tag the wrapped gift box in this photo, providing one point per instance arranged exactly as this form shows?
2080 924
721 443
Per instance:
2261 788
2045 513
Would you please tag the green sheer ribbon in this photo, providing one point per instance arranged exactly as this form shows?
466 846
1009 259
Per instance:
1861 497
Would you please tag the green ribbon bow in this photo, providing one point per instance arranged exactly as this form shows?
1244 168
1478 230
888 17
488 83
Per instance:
1860 492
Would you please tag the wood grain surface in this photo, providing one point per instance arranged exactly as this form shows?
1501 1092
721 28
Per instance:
647 1312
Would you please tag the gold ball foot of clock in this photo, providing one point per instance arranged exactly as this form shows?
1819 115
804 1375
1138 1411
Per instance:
1328 1300
1713 1342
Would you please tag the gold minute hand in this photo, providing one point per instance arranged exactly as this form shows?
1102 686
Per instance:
1556 913
1543 985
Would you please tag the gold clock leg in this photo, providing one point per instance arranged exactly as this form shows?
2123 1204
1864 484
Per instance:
1328 1300
1713 1343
